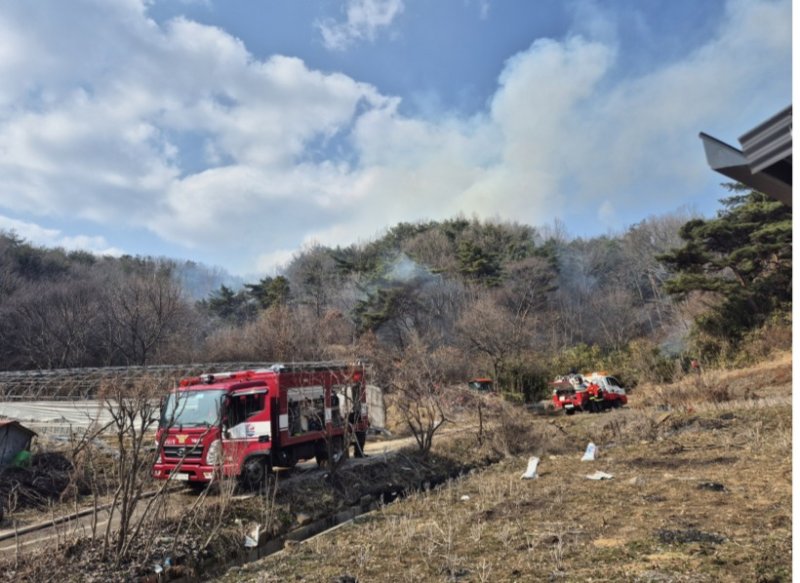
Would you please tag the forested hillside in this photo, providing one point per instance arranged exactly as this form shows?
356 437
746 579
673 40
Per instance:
511 301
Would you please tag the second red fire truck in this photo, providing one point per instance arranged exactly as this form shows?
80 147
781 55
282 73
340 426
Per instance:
245 422
593 392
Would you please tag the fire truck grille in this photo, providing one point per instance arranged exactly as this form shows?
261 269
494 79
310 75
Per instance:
179 452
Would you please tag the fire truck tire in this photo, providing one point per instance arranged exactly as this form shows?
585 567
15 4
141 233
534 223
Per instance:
255 472
337 450
198 487
569 411
358 446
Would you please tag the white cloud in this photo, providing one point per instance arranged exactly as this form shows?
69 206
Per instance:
38 235
271 262
559 139
364 19
179 130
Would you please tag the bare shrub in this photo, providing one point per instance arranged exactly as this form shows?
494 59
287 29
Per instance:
646 363
227 344
718 393
418 376
512 429
134 409
633 429
772 337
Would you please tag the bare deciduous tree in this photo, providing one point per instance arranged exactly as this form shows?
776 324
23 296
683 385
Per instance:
57 324
418 377
134 410
140 310
616 317
490 330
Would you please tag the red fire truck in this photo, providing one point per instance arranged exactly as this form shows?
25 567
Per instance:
593 392
246 422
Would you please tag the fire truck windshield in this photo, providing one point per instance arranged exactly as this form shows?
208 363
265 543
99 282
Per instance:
192 409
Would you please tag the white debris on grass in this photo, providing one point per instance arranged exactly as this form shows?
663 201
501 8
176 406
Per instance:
590 453
251 538
598 475
530 473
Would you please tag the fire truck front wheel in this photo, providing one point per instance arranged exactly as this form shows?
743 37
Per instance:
255 472
198 487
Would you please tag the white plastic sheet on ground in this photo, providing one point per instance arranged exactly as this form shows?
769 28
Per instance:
598 475
530 473
251 538
591 452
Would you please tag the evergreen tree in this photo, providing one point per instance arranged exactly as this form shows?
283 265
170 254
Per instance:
230 306
269 291
744 256
477 263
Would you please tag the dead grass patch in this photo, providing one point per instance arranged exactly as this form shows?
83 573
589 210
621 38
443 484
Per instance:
764 380
654 521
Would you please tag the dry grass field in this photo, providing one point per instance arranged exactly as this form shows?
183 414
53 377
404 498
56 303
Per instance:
701 491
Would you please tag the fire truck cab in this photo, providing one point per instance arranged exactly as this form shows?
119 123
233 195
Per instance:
244 423
614 395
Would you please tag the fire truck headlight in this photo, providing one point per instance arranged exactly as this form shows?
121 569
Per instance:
214 455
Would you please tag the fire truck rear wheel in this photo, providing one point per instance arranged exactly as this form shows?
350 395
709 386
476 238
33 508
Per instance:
358 446
337 451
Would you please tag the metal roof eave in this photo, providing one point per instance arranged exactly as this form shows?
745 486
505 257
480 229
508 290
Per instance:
732 163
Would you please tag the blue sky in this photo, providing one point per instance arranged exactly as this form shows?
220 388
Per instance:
236 132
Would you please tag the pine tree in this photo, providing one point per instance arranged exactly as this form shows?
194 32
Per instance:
744 256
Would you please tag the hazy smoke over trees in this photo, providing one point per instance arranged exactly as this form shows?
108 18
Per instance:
509 297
